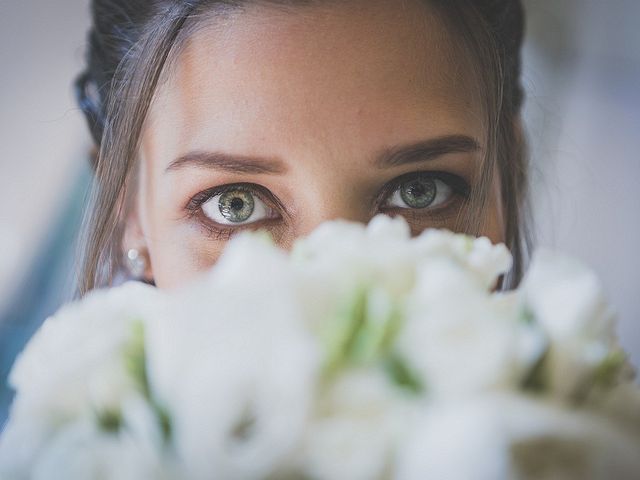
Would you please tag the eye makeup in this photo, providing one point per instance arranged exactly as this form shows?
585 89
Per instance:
219 231
457 187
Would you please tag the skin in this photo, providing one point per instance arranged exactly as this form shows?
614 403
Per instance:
318 93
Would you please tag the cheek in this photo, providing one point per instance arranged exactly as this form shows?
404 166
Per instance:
178 258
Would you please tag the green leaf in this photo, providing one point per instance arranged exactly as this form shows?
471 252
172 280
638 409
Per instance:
527 316
537 378
134 358
340 332
110 420
607 373
402 375
165 420
377 331
136 364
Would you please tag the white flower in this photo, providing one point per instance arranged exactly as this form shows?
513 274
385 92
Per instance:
82 450
455 441
358 423
340 258
336 261
511 436
478 256
365 354
72 369
459 338
567 300
242 379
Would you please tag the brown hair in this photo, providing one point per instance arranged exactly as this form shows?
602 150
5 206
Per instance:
132 40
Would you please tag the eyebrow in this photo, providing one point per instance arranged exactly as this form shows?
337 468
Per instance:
229 163
426 150
391 157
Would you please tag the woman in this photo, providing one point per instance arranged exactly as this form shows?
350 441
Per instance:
212 117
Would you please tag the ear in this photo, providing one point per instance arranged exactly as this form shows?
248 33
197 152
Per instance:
133 239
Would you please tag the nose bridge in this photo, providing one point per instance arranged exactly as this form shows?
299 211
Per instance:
336 198
330 182
330 211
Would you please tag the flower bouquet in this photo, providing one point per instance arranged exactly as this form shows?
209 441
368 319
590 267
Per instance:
361 354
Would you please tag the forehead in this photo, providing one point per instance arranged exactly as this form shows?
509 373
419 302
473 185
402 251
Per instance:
332 77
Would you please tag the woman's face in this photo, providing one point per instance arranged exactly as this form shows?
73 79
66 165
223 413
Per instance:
282 118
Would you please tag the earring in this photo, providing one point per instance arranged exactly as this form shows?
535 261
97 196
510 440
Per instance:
136 262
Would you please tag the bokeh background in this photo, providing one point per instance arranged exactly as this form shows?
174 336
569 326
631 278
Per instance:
581 74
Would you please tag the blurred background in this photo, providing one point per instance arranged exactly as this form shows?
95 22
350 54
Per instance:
581 74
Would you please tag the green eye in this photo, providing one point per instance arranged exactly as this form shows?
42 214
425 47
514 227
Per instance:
235 206
420 192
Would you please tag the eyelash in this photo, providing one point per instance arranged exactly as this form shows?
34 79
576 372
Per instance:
459 186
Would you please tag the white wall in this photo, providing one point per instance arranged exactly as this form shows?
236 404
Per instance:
42 134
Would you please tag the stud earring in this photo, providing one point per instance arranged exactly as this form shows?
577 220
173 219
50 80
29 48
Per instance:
136 262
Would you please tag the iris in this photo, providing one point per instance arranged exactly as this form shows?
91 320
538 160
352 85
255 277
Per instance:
419 193
236 206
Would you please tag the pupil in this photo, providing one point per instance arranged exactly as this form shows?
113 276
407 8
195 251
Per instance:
417 190
237 204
